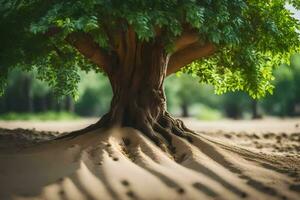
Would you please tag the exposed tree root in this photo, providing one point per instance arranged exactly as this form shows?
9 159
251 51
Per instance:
160 130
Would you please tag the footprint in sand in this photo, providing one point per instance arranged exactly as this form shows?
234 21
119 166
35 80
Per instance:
130 194
115 159
62 193
126 141
125 182
108 145
180 191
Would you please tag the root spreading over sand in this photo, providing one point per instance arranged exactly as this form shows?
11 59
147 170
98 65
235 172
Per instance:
124 164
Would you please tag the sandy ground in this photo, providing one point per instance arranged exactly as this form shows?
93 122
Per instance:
224 160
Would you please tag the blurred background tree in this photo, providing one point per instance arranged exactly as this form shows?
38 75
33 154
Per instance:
187 99
88 103
286 98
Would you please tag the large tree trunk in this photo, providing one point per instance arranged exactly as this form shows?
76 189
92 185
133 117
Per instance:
137 83
255 111
27 95
184 110
136 76
69 104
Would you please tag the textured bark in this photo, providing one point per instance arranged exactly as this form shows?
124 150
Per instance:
184 110
255 110
69 104
137 72
26 80
137 82
139 101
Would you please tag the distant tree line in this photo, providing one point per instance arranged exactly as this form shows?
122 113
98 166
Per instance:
26 95
286 98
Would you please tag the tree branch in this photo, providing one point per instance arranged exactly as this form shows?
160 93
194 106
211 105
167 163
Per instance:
186 38
90 49
189 54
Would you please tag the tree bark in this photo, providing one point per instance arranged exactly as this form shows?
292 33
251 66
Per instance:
255 111
139 99
184 110
136 74
24 103
69 104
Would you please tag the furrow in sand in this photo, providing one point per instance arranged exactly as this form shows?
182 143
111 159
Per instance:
69 191
191 157
255 175
90 185
149 157
51 192
129 180
94 160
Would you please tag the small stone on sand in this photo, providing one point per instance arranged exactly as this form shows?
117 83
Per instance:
125 182
180 190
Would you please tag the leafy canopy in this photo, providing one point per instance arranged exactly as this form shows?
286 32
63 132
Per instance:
251 36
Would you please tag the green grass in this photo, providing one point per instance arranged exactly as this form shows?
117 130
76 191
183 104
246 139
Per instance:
45 116
208 114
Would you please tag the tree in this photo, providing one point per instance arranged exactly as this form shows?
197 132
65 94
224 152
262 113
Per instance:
295 65
90 104
255 110
230 44
287 91
19 95
234 104
183 92
25 94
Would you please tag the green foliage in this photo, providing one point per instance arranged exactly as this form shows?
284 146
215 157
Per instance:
251 36
295 65
287 91
62 75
